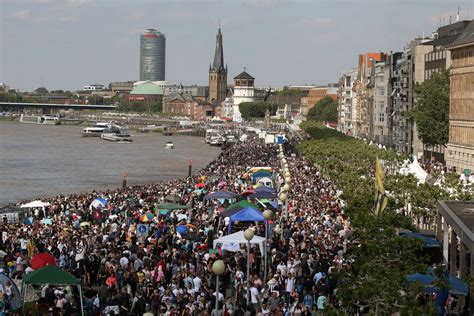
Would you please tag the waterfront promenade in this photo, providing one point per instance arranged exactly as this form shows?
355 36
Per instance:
169 269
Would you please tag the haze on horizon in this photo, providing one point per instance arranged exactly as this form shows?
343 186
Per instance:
66 44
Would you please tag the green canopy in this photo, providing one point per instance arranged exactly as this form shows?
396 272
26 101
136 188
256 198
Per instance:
241 204
50 275
172 206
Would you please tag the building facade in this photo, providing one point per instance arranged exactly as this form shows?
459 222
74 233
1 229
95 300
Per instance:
347 102
218 73
317 94
460 151
244 91
184 103
152 56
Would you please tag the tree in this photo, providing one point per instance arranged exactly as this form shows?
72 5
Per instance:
325 110
431 112
257 109
289 91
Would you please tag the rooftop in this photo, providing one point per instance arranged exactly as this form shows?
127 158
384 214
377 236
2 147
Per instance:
147 88
243 75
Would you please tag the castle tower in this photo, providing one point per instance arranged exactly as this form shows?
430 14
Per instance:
218 73
244 91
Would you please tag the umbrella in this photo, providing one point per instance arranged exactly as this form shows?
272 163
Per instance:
172 198
237 207
41 260
146 217
172 206
182 229
36 203
98 203
263 188
47 221
247 192
85 224
28 221
200 185
2 253
221 184
220 195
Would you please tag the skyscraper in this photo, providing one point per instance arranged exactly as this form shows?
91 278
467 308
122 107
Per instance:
152 55
218 73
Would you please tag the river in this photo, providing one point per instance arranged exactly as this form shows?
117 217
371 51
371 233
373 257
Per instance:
38 161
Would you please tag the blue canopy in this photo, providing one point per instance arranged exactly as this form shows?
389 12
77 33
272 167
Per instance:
247 214
457 286
428 242
261 174
265 189
182 229
263 195
220 195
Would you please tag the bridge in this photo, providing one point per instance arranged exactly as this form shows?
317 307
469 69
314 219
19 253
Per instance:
47 107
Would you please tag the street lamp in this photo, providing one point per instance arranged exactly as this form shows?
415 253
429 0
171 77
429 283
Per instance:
287 174
266 215
286 187
288 179
286 165
218 267
248 235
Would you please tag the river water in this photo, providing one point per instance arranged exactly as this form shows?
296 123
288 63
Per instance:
38 161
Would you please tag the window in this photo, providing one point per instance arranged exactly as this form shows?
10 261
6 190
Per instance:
381 117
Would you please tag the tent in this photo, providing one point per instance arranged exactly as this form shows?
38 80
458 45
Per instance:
428 242
247 214
172 198
263 195
234 208
15 300
220 195
457 286
53 276
98 203
41 260
172 206
34 204
238 238
415 169
263 188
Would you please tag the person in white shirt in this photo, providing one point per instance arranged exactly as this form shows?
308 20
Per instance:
197 283
254 297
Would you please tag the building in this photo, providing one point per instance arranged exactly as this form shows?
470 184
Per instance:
121 87
197 92
380 86
244 91
94 87
147 92
218 73
317 94
347 102
227 106
184 103
460 151
152 56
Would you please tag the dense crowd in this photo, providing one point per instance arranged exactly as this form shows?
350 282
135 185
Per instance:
169 272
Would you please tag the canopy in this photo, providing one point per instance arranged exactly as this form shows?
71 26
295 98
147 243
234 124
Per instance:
42 259
238 238
457 286
428 242
263 195
257 169
247 214
34 204
10 209
172 198
220 195
15 299
172 206
234 208
263 188
415 169
50 275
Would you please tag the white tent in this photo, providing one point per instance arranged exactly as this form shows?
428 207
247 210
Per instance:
34 204
415 169
238 238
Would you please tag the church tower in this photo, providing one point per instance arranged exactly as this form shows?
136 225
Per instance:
218 73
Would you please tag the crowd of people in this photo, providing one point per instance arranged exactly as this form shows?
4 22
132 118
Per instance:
169 272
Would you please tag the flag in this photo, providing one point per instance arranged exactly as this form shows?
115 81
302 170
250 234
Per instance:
380 198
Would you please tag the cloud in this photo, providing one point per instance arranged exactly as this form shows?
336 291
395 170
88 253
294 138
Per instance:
135 15
320 22
264 3
22 14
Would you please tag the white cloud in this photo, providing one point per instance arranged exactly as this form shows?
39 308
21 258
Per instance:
264 3
22 14
320 22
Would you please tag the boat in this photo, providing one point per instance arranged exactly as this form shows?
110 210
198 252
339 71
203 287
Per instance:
167 131
42 120
216 140
169 145
117 133
151 128
95 130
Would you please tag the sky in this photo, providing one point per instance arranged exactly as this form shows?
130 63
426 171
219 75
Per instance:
66 44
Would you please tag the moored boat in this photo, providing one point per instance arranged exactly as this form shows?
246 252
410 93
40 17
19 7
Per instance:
95 130
42 120
117 133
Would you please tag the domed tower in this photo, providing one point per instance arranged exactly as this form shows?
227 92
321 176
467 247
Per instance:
244 91
218 73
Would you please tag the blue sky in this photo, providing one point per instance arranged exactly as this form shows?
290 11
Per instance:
66 44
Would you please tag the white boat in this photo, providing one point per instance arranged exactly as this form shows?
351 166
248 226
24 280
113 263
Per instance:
151 128
95 130
169 145
117 133
216 140
42 120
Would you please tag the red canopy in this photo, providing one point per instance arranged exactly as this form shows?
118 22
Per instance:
41 260
200 185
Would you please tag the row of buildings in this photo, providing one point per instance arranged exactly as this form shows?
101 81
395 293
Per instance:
376 97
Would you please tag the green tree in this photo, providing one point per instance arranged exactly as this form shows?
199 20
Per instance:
286 91
325 110
431 112
257 109
95 99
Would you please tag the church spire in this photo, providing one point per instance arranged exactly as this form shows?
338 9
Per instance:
219 53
